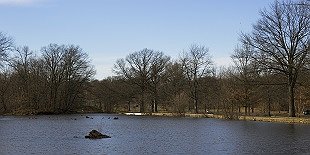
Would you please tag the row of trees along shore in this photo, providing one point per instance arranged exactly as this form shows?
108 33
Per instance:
270 75
54 82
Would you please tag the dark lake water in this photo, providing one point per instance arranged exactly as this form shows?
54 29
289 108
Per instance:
64 134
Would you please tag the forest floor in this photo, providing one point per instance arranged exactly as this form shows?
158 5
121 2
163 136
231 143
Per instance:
278 119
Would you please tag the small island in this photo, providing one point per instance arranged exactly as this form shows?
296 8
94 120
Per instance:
94 134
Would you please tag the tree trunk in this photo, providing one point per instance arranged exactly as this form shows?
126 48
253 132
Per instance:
129 106
196 106
196 95
232 108
249 109
156 105
155 99
291 86
142 102
152 106
269 106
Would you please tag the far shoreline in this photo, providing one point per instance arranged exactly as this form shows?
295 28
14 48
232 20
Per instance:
274 119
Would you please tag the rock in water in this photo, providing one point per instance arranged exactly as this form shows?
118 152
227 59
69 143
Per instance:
94 134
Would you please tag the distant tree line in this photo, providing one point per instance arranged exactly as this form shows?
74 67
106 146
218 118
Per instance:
270 75
54 82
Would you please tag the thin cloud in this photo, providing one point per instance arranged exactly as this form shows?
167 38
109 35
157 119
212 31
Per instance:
223 61
19 2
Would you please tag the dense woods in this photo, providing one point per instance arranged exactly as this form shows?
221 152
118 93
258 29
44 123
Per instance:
54 82
270 75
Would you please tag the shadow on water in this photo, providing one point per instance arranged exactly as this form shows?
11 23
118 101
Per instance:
64 134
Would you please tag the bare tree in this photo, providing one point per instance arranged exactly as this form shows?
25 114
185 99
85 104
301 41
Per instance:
144 69
53 60
67 70
137 68
21 64
175 87
197 64
246 74
77 71
6 44
55 82
38 84
159 63
4 90
281 39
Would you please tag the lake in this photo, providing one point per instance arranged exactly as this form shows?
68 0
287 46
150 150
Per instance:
64 134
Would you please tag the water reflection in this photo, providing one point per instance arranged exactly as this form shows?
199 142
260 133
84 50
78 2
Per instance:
149 135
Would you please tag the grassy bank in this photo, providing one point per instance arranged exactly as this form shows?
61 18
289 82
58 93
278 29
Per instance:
301 120
278 119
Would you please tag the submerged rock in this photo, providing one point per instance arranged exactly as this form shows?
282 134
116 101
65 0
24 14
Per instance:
94 134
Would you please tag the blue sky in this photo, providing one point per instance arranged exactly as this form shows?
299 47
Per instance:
111 29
